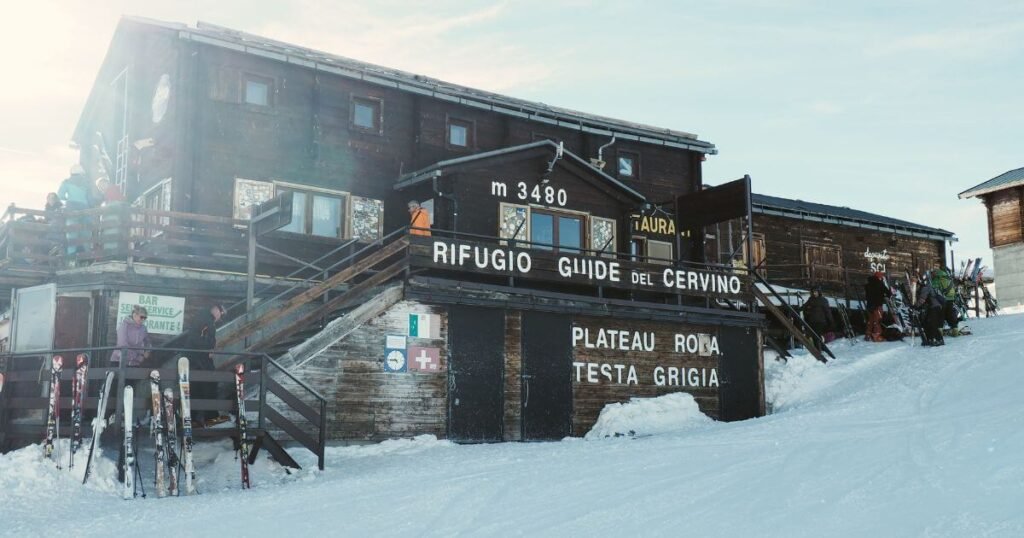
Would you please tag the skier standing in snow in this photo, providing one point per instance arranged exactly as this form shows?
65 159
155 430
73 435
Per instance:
818 314
930 302
202 335
875 295
942 282
132 333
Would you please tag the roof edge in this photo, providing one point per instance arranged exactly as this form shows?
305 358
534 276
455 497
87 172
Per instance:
216 35
975 191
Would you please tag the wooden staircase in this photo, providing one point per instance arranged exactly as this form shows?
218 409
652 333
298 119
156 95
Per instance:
288 321
790 319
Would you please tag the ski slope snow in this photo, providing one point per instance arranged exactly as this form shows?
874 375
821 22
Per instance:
888 440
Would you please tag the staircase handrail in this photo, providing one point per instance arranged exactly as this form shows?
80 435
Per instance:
795 315
307 282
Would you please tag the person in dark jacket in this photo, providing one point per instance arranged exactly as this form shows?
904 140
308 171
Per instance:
201 335
930 302
818 314
875 295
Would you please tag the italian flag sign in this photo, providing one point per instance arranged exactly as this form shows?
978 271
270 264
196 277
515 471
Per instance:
424 325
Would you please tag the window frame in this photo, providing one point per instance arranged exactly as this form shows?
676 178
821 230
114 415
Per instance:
375 103
833 273
469 125
644 243
157 197
269 82
307 225
636 164
527 230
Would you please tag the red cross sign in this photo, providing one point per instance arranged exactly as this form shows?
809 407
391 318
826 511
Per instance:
424 359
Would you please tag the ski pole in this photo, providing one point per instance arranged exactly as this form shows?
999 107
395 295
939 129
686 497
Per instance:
140 483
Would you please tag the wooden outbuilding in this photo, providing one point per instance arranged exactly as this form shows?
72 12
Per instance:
1003 197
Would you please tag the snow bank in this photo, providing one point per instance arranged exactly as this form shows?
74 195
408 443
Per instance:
889 439
648 416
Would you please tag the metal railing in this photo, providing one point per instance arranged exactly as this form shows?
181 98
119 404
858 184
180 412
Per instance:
25 392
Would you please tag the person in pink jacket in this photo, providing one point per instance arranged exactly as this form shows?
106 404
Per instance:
131 332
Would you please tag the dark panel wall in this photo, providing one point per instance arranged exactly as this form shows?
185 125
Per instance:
479 207
785 239
592 392
306 137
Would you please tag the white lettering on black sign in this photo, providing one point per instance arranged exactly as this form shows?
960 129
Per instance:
498 259
537 193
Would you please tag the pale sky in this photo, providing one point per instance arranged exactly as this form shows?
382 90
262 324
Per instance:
885 106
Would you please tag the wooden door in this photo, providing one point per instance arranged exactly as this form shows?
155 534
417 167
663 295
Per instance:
547 376
476 340
71 328
741 393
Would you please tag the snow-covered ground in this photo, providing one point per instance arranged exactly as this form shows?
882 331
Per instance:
887 440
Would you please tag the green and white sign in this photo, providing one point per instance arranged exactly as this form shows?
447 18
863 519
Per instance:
424 325
166 313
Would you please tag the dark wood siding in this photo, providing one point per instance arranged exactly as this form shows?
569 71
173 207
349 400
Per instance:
1005 216
788 243
589 398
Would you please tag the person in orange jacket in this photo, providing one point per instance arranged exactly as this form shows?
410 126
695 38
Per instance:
419 220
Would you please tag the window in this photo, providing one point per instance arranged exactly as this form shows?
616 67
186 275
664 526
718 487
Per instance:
628 165
823 262
556 231
366 114
460 133
157 198
315 211
547 230
642 249
759 254
256 90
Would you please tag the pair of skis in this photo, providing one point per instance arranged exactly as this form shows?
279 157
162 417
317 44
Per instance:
163 426
78 388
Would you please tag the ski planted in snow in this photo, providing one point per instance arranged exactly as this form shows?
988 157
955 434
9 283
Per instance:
243 441
98 423
171 440
129 445
53 412
156 426
186 426
79 383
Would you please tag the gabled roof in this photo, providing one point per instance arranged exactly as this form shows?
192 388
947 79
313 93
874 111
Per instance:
228 38
439 168
773 205
1006 180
